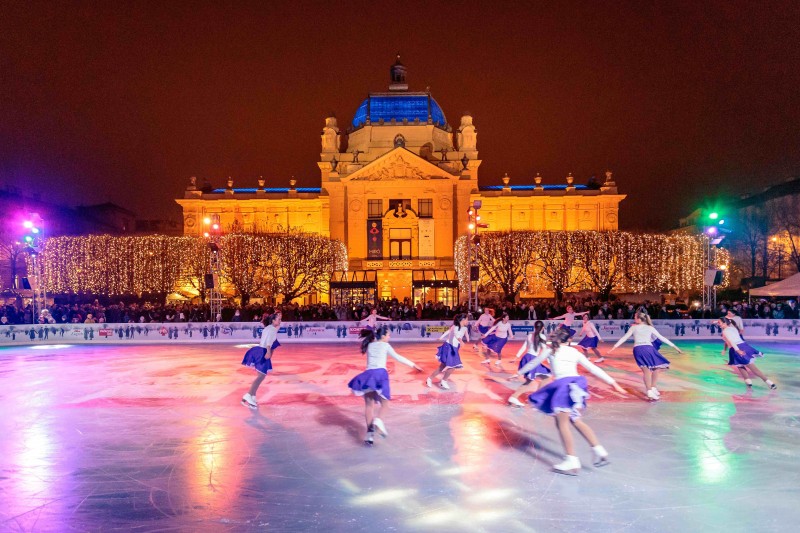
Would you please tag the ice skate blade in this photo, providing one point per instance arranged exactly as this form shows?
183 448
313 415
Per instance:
603 461
249 405
571 472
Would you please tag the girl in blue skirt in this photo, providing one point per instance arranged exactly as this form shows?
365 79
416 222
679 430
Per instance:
646 355
565 398
740 354
260 357
569 319
541 375
373 383
496 338
447 354
590 338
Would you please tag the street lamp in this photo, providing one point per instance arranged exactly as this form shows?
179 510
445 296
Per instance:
473 243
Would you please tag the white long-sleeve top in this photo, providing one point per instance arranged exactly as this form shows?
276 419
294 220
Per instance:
643 335
457 334
569 318
377 352
501 330
268 336
372 320
527 346
564 363
485 320
590 330
732 337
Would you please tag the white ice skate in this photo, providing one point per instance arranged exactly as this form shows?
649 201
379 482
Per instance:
249 401
600 456
443 384
515 402
570 466
378 423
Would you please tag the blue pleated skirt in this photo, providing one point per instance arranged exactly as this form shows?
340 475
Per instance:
588 342
648 357
448 355
373 380
567 394
540 370
254 358
750 353
495 343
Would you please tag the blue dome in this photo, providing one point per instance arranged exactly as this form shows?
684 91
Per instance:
405 106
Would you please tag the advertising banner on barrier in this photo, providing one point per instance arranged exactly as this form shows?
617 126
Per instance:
402 331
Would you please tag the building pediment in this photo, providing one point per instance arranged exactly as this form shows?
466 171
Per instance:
399 164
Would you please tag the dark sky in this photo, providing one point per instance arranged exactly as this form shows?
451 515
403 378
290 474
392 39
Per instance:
123 101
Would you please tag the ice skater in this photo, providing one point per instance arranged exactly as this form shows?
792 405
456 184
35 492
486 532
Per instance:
647 357
373 383
569 319
565 398
484 322
371 322
260 357
447 354
495 338
590 338
541 375
740 354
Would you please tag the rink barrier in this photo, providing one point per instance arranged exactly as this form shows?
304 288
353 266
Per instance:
401 331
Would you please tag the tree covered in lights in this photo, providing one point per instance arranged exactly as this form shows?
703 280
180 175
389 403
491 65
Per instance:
302 263
12 260
245 263
598 261
505 258
290 263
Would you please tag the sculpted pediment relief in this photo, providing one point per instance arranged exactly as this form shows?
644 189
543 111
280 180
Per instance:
399 164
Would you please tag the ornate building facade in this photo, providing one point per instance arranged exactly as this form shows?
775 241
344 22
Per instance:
398 197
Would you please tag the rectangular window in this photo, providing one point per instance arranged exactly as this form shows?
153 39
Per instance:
425 208
375 208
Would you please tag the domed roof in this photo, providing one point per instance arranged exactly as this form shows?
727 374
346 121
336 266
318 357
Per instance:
399 106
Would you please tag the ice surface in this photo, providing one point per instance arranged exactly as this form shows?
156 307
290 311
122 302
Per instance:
153 438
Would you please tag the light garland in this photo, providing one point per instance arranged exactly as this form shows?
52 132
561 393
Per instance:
600 261
158 264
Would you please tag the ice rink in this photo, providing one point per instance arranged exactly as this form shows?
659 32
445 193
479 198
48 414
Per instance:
154 438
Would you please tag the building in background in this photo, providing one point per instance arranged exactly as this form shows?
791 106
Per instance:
395 187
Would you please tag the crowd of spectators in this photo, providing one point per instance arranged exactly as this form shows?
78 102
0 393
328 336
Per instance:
120 312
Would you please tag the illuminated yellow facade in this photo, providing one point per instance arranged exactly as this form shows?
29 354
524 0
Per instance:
398 195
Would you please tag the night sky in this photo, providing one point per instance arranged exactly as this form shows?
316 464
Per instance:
123 101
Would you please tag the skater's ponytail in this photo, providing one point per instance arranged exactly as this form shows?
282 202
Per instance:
557 338
498 320
368 335
457 320
727 321
644 317
538 327
269 319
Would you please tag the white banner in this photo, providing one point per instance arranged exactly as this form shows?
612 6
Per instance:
402 331
426 242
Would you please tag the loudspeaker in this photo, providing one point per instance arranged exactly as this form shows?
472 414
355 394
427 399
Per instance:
26 284
212 281
713 277
474 273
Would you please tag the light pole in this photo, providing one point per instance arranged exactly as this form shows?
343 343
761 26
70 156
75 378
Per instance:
473 243
213 230
34 241
779 249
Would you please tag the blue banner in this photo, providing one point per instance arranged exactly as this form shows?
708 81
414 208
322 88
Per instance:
375 239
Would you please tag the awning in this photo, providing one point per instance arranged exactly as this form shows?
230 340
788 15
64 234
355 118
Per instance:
354 279
434 278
